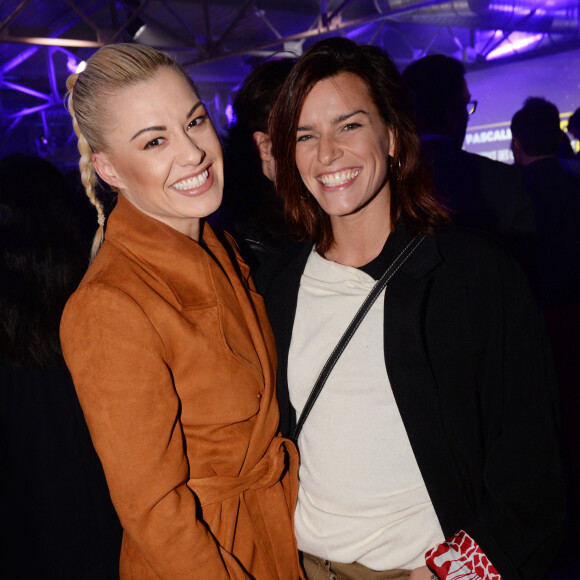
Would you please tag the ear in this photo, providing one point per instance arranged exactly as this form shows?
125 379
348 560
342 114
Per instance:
391 142
516 147
263 144
105 169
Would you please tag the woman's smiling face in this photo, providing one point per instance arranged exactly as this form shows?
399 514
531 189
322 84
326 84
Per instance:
163 153
343 146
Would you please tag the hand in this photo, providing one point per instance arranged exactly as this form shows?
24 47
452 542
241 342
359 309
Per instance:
422 573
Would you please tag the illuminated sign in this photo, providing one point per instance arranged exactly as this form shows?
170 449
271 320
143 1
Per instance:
494 140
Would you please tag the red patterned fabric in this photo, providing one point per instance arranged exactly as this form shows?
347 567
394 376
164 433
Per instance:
460 558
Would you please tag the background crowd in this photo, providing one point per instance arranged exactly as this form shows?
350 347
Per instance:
54 498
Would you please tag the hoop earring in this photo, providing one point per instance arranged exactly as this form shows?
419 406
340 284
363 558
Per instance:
395 169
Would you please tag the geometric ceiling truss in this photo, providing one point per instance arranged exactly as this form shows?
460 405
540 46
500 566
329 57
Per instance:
218 41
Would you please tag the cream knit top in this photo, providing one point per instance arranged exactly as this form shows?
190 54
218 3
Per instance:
361 497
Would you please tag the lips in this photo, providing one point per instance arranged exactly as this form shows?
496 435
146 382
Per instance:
338 178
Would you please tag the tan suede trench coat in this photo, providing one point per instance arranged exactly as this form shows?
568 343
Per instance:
173 360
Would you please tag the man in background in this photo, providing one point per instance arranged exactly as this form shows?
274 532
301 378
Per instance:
481 193
555 195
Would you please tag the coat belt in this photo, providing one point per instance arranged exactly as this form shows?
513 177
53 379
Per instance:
267 472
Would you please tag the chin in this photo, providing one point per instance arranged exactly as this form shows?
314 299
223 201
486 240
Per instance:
213 206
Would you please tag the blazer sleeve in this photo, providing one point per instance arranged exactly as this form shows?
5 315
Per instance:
116 359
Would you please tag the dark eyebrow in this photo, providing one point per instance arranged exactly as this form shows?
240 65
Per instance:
153 128
162 127
193 109
337 120
346 116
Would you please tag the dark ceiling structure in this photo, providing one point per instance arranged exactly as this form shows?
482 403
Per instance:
218 41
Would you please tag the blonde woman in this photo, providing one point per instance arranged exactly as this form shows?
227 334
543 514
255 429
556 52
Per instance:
167 342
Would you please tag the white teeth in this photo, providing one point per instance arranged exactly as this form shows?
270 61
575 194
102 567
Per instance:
192 182
338 178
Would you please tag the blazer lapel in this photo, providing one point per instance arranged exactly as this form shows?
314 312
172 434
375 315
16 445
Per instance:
413 382
281 300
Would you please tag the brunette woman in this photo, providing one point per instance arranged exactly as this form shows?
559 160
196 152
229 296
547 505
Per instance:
431 451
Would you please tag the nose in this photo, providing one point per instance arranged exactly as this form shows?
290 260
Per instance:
190 152
328 149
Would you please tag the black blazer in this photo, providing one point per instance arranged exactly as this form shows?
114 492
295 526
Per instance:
482 193
486 195
470 369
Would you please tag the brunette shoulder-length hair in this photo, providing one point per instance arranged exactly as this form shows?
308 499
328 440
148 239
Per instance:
413 197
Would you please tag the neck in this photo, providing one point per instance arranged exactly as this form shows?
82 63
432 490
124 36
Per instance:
525 160
357 242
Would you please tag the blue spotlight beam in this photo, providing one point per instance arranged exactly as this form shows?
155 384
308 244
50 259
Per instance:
26 90
506 34
52 74
18 60
31 110
14 124
54 40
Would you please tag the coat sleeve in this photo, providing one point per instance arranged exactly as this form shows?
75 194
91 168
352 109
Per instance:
117 361
520 509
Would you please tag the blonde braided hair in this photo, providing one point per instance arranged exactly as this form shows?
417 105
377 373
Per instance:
109 70
87 171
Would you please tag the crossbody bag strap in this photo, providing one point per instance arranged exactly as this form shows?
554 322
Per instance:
351 329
